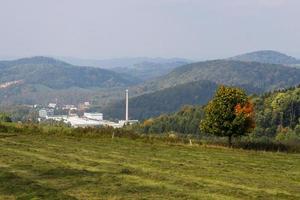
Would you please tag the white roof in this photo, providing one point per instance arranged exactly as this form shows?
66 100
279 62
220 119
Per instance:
93 114
76 121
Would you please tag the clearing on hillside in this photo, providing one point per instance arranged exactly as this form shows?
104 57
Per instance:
59 167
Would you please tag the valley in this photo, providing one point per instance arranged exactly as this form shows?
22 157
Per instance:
150 81
162 99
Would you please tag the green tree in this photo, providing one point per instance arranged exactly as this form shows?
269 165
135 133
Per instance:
228 114
4 118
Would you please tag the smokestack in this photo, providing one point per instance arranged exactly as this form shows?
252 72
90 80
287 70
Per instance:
126 96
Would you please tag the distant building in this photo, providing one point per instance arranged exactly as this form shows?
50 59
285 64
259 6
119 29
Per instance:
94 116
128 122
88 119
84 106
69 107
76 122
58 118
46 112
52 105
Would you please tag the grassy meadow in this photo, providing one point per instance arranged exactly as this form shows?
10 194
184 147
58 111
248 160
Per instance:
64 167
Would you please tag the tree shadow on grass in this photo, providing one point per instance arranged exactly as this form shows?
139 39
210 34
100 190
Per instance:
63 172
6 135
22 188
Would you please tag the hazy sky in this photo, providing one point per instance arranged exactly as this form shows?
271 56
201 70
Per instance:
197 29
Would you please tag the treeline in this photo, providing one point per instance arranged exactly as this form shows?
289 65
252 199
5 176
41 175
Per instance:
267 122
276 114
9 129
185 121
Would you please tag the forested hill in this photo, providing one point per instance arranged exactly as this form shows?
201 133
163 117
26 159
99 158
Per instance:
149 70
57 74
163 101
143 68
267 56
40 80
195 83
261 76
277 115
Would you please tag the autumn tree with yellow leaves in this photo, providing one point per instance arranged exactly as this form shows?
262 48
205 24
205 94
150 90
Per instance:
230 113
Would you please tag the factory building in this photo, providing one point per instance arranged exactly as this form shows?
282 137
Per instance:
88 119
94 116
46 112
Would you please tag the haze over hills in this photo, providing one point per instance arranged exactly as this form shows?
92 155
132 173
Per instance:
149 70
184 84
267 56
57 74
259 77
143 68
43 79
41 76
194 84
121 62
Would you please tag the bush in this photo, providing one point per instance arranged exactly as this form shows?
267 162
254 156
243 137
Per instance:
4 118
285 134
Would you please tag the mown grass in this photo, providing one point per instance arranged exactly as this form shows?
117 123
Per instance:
37 166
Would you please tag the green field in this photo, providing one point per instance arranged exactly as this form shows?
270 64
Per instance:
61 167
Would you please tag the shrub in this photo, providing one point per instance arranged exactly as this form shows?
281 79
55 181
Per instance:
4 118
285 134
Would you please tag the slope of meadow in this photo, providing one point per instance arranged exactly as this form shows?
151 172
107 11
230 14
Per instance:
61 167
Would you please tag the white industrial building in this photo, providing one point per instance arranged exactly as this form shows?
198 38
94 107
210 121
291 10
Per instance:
46 112
94 116
69 107
88 119
52 105
76 121
62 118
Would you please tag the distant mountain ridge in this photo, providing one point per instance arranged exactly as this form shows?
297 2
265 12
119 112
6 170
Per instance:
57 74
184 84
143 68
267 56
42 79
262 76
195 83
168 85
34 60
121 62
148 70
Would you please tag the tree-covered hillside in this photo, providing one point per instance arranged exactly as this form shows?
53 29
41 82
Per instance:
267 56
41 79
163 101
149 70
259 77
159 96
56 74
276 114
184 121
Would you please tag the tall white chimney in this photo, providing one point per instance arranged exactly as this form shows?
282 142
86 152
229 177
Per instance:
126 96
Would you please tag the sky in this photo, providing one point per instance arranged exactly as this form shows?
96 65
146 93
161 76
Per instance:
194 29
